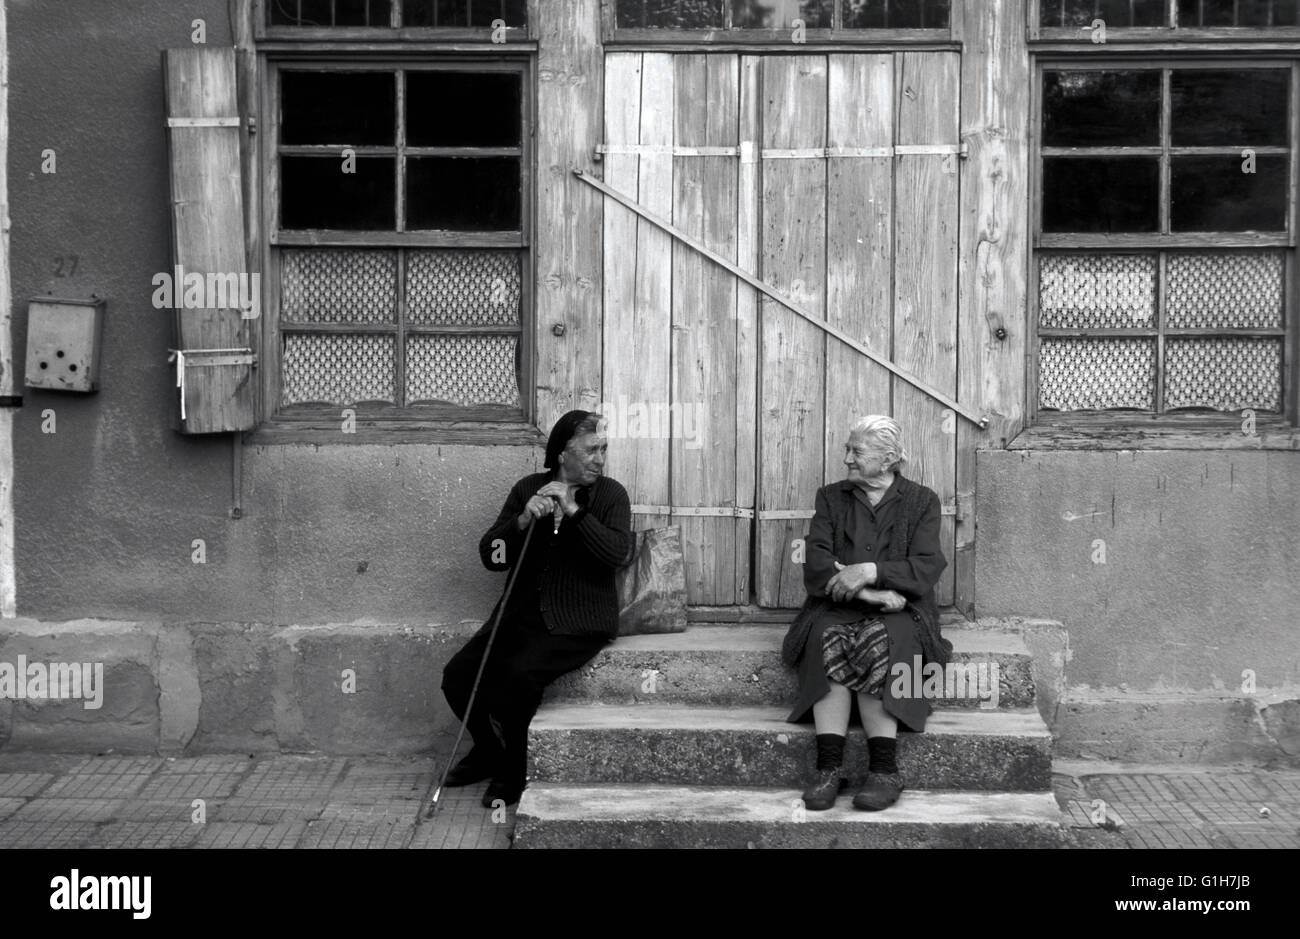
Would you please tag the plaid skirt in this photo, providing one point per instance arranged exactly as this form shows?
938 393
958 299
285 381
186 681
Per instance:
856 655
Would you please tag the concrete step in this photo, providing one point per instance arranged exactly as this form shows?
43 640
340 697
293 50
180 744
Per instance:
755 746
553 815
741 665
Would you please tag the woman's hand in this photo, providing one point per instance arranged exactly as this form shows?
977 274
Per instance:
891 601
848 580
561 493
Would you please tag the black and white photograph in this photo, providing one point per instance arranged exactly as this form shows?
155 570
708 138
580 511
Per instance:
566 427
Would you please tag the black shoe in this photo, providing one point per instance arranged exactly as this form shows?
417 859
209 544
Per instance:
479 764
820 796
507 792
880 791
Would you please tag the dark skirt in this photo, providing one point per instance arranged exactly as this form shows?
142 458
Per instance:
904 643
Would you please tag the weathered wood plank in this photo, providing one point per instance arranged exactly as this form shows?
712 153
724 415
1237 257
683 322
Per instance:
704 325
793 356
992 292
747 333
859 245
637 324
622 126
570 69
208 232
925 275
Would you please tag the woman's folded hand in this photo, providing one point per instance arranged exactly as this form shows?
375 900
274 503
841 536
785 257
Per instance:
848 580
891 601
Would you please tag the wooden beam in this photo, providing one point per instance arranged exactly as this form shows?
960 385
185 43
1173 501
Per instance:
7 568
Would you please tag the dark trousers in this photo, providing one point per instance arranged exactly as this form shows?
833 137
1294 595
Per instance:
525 658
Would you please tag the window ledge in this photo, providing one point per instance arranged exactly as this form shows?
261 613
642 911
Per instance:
1137 435
391 432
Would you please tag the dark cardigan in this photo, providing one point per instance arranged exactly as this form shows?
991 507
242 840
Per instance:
575 569
915 502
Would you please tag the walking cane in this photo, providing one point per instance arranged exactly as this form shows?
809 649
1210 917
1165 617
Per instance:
505 598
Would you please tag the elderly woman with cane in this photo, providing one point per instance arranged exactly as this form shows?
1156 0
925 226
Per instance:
872 560
562 534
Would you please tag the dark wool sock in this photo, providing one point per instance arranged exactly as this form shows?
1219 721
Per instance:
830 751
880 753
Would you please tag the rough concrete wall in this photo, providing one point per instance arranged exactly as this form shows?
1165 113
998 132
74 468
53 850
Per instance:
108 506
1201 552
228 687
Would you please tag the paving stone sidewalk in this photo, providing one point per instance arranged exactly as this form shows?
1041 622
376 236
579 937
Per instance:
1110 805
237 801
285 801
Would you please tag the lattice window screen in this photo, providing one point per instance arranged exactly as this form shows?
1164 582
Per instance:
1087 374
1233 289
464 370
1226 374
340 370
463 287
332 285
1097 291
450 288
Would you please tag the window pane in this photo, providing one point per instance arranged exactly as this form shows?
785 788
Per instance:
1222 108
339 370
896 14
463 288
458 194
1225 374
1097 374
670 14
344 108
1205 12
1247 13
463 109
444 13
463 370
317 13
1101 109
338 285
1115 13
316 193
1239 289
1110 291
779 14
1214 193
1101 194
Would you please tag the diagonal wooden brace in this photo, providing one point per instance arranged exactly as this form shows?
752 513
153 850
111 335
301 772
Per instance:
980 421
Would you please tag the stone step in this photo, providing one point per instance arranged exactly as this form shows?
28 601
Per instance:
554 815
741 665
755 746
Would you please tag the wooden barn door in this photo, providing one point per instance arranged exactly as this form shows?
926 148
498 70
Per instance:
833 178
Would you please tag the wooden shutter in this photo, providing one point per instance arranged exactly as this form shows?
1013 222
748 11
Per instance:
213 355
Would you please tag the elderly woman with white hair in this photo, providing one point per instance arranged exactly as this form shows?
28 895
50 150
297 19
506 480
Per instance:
872 560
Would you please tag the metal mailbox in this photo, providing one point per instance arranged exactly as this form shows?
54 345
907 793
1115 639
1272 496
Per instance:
63 341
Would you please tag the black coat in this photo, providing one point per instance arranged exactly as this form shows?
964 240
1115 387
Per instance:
568 577
901 536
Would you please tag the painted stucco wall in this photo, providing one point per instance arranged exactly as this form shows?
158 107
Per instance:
1201 572
108 506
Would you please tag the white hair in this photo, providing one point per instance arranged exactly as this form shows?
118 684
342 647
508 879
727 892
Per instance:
883 430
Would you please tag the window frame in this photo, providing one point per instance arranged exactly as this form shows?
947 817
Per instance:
263 31
385 423
1075 35
838 37
1130 428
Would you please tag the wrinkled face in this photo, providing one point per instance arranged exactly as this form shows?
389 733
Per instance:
866 459
583 459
